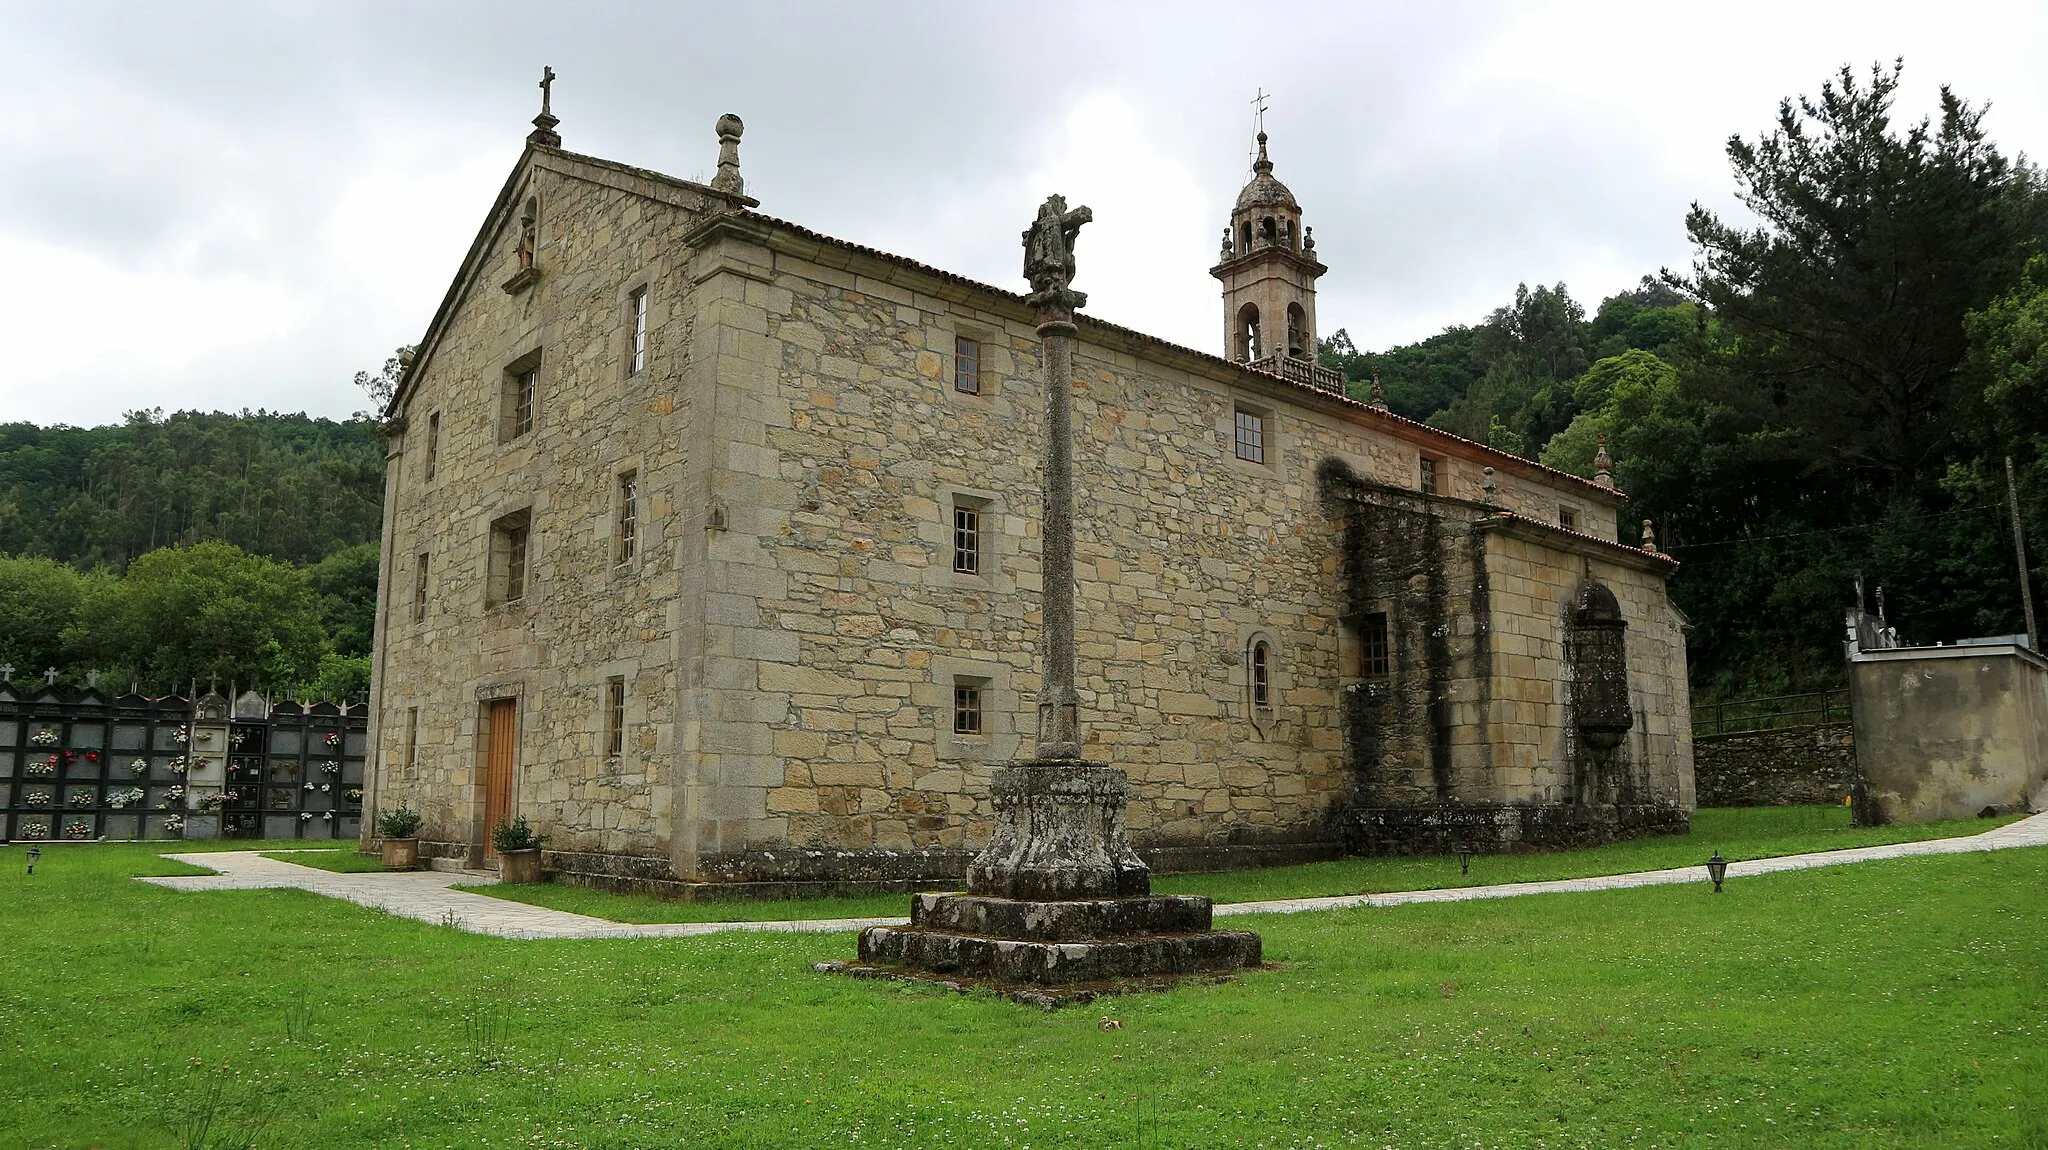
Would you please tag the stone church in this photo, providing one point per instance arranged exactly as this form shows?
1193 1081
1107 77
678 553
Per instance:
711 548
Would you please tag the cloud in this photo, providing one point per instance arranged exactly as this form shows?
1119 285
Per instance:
242 205
94 321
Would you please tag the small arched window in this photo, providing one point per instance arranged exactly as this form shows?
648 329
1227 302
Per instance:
1244 237
1269 231
1297 333
1262 674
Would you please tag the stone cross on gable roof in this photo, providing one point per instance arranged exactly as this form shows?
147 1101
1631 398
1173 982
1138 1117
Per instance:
544 125
6 672
50 677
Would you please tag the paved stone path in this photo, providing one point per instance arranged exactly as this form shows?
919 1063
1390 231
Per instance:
2029 832
426 895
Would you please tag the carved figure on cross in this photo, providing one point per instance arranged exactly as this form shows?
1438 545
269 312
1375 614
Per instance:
1049 257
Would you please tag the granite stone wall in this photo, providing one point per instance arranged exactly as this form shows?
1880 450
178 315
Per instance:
585 617
1794 766
1472 735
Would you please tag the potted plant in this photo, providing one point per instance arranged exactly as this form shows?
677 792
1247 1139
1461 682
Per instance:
518 851
400 830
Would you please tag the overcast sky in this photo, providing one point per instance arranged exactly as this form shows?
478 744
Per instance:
221 207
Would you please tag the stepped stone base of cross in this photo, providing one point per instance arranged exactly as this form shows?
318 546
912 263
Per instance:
1059 898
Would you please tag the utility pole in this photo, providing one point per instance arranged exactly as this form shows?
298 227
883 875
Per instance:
2019 543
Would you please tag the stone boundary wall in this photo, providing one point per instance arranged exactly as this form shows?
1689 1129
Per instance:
1949 732
1785 767
1506 828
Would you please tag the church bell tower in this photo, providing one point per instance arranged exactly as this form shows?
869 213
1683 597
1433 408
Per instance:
1268 267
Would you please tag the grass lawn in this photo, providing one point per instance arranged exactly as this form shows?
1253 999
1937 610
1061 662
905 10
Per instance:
1898 1003
1737 832
341 860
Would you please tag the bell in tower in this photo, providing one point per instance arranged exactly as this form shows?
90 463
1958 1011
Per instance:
1268 267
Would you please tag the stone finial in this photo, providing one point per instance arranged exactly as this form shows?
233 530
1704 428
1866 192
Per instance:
1379 394
1649 538
407 354
544 124
1262 165
1308 241
728 178
1486 486
1603 467
1228 248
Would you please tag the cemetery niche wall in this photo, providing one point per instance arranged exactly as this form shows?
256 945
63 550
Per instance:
82 766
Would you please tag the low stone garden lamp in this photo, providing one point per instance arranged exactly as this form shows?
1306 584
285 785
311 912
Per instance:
1717 869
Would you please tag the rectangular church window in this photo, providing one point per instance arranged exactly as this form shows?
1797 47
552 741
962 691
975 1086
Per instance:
419 588
967 365
433 443
966 707
1375 656
519 397
967 539
1568 518
1251 436
615 716
626 532
509 539
1429 476
637 315
522 413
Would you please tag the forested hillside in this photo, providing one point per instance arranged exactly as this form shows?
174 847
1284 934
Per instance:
286 486
1830 390
168 548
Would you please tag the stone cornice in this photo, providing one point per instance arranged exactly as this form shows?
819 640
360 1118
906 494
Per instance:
1522 527
642 182
1306 264
1959 651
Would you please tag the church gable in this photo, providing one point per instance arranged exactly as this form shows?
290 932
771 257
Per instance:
507 252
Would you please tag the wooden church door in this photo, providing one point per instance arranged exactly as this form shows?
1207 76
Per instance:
501 741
